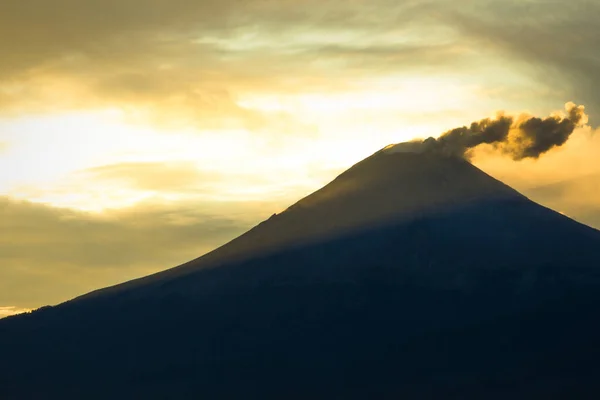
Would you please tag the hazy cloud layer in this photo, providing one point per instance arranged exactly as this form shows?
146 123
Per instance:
50 255
186 54
183 62
180 178
187 62
154 176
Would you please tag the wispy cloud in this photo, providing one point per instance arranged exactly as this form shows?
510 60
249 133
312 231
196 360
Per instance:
188 62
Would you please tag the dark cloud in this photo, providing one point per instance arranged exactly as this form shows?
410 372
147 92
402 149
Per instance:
536 136
459 140
523 137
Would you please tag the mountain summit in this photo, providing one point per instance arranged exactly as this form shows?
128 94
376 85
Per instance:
411 275
386 188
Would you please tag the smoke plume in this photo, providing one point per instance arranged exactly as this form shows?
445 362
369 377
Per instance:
522 137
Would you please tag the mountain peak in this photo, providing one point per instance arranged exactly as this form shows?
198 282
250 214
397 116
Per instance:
384 189
409 180
413 146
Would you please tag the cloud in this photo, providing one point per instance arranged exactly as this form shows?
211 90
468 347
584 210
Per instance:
197 56
11 310
186 62
183 63
70 31
559 48
565 179
185 180
51 254
579 197
154 176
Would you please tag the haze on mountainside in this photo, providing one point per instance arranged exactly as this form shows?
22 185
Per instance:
413 274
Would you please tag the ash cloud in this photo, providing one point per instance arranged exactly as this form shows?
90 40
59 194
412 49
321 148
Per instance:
519 138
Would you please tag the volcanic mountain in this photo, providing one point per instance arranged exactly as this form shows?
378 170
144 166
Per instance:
411 275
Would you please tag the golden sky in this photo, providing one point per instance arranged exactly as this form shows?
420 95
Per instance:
138 134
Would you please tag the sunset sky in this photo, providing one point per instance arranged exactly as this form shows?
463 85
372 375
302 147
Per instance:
139 134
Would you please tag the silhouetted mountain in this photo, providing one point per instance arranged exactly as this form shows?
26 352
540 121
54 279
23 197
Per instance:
409 276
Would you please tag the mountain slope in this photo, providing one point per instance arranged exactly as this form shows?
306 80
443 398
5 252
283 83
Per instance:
380 190
409 276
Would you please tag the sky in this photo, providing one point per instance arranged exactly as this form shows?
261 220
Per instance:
138 134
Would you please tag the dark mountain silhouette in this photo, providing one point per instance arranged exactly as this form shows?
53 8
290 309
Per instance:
410 276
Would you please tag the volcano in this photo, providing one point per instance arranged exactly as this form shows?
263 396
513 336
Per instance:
412 275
